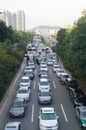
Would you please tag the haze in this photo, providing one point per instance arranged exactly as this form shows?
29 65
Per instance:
46 12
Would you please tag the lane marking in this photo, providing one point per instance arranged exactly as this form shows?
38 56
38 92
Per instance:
54 84
64 113
32 116
34 84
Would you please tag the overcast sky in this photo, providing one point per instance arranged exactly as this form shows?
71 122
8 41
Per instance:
46 12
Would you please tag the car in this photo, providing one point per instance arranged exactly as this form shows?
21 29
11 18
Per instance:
49 62
41 72
77 93
55 68
81 115
71 84
48 120
30 74
13 126
63 77
80 101
23 93
32 65
45 97
59 72
27 69
44 76
25 82
43 84
44 68
18 108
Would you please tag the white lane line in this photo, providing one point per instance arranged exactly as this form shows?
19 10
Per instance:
54 84
64 113
34 84
32 113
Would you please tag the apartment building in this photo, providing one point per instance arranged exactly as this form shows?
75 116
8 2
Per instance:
15 20
21 20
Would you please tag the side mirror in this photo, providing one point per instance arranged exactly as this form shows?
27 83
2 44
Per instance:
57 117
39 117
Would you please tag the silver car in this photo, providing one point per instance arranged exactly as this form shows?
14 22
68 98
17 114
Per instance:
13 126
18 108
45 97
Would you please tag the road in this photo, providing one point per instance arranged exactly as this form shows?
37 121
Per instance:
61 103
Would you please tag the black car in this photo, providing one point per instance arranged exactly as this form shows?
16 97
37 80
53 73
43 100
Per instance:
79 101
77 93
18 108
71 85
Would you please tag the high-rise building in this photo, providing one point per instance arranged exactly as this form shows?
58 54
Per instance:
6 16
21 20
14 21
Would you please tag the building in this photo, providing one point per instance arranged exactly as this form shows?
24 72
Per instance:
6 16
21 20
14 21
47 30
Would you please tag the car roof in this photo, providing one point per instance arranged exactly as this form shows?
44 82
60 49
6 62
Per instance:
25 77
64 74
82 108
18 99
23 88
47 109
12 125
44 90
43 79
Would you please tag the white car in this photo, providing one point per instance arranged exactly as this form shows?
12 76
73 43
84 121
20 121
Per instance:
55 68
25 82
44 67
48 120
59 72
49 62
44 84
13 126
23 92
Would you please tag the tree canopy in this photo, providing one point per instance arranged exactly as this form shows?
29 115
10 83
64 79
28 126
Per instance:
71 47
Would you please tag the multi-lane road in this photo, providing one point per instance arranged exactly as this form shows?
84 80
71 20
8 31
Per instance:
61 103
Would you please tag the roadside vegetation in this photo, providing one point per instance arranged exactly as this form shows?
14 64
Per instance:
12 48
71 48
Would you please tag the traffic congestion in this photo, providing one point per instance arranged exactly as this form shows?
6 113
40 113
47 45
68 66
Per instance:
45 96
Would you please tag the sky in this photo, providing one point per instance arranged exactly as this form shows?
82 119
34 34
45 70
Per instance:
46 12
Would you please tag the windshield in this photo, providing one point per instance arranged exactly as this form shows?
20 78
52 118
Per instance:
83 114
60 71
24 81
64 76
44 83
48 116
18 104
23 91
44 94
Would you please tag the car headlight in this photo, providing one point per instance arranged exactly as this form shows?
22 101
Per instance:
84 125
